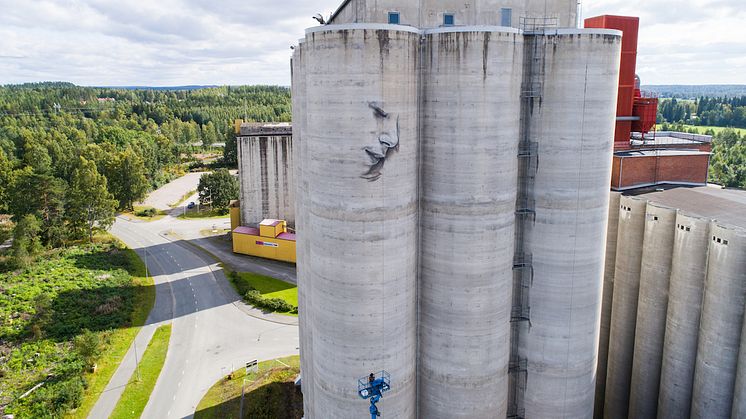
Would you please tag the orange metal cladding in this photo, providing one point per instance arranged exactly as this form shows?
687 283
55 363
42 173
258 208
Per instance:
630 27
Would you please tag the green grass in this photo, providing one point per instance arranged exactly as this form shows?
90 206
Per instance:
137 393
192 214
701 129
270 393
46 305
133 214
120 340
268 287
183 198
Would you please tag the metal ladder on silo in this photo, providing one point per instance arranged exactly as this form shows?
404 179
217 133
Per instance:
528 165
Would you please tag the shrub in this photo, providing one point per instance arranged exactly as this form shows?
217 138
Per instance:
146 212
255 298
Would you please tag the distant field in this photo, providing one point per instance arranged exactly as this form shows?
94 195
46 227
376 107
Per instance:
702 129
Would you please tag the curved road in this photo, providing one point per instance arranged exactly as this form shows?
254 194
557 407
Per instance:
210 334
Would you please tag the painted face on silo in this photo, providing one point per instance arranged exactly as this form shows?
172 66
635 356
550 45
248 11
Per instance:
386 141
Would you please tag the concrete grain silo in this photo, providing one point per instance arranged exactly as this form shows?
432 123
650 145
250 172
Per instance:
305 301
739 392
688 271
470 125
652 304
721 323
265 164
624 306
452 194
567 102
361 93
608 292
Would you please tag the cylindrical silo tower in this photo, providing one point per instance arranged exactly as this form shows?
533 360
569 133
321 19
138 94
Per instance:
721 323
301 187
652 304
739 393
624 305
360 161
688 271
608 292
471 83
570 102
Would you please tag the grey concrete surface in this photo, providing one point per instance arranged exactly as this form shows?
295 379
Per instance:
468 173
573 125
739 392
686 286
608 293
652 305
721 323
210 335
265 166
624 306
429 13
360 233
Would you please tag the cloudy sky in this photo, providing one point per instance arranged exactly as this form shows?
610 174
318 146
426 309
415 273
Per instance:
179 42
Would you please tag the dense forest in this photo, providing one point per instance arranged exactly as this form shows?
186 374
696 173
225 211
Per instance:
71 156
696 91
705 111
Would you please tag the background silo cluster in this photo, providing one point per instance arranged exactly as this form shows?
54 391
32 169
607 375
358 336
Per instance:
679 290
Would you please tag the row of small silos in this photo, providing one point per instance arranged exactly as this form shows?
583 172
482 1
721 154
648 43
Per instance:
677 315
411 271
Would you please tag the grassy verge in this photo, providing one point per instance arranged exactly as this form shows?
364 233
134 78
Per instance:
144 213
120 340
65 312
137 393
270 393
702 129
192 214
268 289
183 199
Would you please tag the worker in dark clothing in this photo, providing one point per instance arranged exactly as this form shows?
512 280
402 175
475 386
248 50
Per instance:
371 378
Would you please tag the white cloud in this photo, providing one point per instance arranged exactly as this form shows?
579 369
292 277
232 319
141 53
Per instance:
685 42
174 42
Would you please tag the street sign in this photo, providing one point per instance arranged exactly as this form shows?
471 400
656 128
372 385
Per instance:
252 366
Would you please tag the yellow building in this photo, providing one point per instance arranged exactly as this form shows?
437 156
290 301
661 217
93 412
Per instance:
270 241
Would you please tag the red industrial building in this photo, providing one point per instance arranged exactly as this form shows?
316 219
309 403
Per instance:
642 156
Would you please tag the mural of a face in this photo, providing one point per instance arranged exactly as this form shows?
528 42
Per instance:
386 142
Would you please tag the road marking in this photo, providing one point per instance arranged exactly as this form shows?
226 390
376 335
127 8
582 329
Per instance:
182 372
174 397
180 382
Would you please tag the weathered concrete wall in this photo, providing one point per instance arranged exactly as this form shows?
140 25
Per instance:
688 271
573 128
624 306
429 13
652 305
721 324
739 393
468 191
265 167
381 189
361 227
608 292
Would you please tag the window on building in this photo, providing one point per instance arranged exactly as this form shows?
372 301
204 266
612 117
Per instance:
506 17
448 19
394 18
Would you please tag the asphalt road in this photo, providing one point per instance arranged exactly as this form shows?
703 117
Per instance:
210 335
172 192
